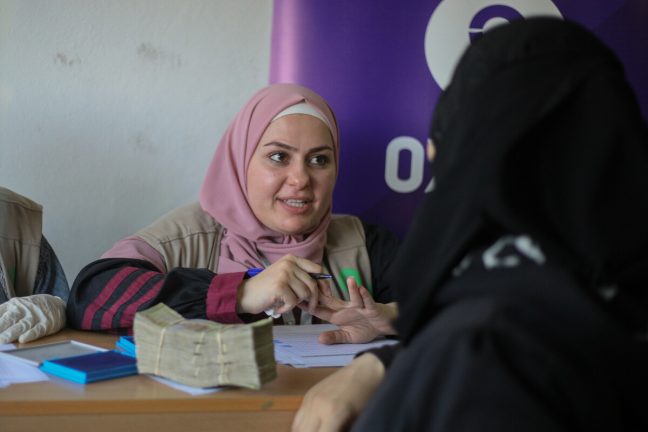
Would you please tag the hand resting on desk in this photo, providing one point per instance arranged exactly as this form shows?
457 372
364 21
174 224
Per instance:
335 402
31 317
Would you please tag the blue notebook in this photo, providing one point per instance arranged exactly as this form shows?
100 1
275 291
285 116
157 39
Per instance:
126 345
92 367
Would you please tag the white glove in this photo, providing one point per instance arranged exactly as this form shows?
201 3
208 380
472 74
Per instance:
32 317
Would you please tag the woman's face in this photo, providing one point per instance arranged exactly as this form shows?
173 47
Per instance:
291 175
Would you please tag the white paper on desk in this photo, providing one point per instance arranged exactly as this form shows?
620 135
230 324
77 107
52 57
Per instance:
286 356
324 361
194 391
15 371
298 345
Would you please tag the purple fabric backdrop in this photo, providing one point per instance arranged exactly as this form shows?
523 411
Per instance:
382 65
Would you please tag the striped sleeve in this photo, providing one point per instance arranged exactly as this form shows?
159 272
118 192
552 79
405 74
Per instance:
107 293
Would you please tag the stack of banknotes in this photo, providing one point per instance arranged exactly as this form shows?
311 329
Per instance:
203 353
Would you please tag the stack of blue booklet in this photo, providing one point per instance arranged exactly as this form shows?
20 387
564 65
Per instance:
126 344
79 362
93 367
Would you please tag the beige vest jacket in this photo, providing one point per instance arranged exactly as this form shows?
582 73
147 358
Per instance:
21 223
189 237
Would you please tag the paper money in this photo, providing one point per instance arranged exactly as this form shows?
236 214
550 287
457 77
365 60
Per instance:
203 353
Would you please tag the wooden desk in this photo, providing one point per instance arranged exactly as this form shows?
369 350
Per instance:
139 403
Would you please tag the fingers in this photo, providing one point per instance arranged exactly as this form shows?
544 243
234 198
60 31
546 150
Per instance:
13 332
307 287
354 295
302 285
287 284
332 302
286 304
304 267
325 288
11 312
321 312
14 322
329 305
334 337
303 263
282 286
31 317
6 337
8 319
367 299
38 331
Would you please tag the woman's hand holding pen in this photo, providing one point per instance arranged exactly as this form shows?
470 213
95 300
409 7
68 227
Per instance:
281 286
360 319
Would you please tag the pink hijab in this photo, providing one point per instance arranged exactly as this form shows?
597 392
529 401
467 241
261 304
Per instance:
246 241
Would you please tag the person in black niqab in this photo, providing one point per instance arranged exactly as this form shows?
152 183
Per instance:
523 281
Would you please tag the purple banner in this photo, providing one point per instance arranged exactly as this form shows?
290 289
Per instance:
382 65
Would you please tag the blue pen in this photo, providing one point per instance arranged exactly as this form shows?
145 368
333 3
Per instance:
255 271
271 312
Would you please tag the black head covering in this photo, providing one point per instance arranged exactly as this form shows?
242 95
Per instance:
538 133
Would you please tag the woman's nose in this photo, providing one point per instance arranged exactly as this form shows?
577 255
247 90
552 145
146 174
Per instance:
298 176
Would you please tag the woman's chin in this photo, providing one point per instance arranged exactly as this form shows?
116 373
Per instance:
290 227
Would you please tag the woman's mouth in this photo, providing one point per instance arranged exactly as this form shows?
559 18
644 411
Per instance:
296 206
295 203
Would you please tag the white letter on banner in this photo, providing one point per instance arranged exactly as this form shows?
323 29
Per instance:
394 149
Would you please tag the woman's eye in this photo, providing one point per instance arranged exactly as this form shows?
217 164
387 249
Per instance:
278 157
320 160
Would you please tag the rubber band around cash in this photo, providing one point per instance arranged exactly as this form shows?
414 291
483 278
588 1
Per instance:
222 375
161 342
197 353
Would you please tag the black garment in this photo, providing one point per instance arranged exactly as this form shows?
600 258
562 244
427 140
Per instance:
533 352
50 278
540 143
538 133
382 246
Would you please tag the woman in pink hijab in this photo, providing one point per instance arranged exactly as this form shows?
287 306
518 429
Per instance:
265 204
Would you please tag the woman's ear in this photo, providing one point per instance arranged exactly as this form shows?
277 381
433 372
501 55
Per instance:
430 150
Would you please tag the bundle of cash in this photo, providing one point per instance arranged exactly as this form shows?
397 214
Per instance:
203 353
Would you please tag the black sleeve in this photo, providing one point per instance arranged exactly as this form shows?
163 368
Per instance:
382 246
386 354
50 278
464 383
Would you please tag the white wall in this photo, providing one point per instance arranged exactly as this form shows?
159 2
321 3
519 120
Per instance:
111 110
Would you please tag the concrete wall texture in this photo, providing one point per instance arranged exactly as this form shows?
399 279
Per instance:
110 110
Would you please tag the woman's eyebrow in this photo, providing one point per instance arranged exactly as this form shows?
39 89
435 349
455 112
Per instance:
281 145
321 148
294 149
